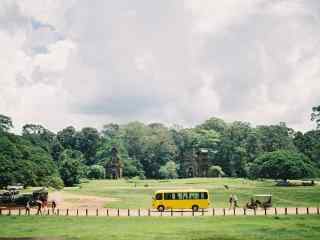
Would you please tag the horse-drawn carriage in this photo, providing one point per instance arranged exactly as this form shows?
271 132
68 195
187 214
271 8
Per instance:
13 199
262 200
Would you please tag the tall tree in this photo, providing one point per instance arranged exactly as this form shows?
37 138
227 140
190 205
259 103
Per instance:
38 135
276 137
87 142
282 164
5 123
315 115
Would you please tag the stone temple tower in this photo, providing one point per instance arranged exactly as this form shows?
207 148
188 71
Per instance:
114 166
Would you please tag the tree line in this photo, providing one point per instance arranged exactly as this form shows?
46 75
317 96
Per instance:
42 157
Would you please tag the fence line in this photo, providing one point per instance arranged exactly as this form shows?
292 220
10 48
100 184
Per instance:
109 212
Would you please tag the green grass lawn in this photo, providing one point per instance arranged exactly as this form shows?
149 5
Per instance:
217 228
139 196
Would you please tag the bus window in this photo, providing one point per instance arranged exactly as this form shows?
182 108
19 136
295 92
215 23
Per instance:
194 195
167 196
203 195
176 196
185 196
159 196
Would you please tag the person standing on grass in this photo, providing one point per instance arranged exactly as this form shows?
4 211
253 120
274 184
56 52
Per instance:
39 204
230 201
28 208
235 201
54 205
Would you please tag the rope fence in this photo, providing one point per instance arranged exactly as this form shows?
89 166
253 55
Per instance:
111 212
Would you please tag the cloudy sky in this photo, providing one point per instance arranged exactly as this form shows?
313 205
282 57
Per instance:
91 62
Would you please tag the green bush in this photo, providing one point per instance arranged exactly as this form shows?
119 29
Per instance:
215 171
55 182
96 172
282 164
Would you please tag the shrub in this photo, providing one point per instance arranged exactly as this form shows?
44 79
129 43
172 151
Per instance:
96 172
215 171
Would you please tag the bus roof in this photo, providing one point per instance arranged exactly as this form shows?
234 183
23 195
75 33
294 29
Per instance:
181 190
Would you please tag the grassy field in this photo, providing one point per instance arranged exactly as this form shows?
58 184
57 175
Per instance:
138 194
218 228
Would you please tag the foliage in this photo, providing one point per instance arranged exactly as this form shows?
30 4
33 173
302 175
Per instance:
71 167
39 156
23 162
169 170
5 123
95 172
315 115
282 164
215 171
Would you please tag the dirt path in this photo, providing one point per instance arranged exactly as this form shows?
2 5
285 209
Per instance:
70 200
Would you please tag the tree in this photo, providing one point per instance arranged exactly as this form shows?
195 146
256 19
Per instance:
309 144
282 164
315 115
232 154
5 123
215 124
71 167
96 172
215 171
158 148
38 135
67 137
23 162
87 143
275 137
169 170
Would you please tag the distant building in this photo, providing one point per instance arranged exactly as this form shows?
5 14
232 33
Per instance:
196 163
114 166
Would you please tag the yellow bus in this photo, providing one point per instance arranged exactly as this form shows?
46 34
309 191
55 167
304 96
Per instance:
181 199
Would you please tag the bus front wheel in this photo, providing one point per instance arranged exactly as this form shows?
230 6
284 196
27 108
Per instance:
160 208
195 208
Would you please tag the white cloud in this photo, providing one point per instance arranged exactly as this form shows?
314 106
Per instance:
91 62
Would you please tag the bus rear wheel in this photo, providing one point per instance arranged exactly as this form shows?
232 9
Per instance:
195 208
160 208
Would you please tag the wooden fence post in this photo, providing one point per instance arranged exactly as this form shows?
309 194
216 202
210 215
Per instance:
286 211
234 211
307 211
244 211
265 211
202 211
77 212
48 212
297 211
171 212
0 211
86 212
213 213
9 212
107 212
224 212
118 212
149 212
128 212
97 212
275 211
318 212
139 212
58 211
67 212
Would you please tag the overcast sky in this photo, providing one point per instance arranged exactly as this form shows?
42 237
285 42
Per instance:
91 62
